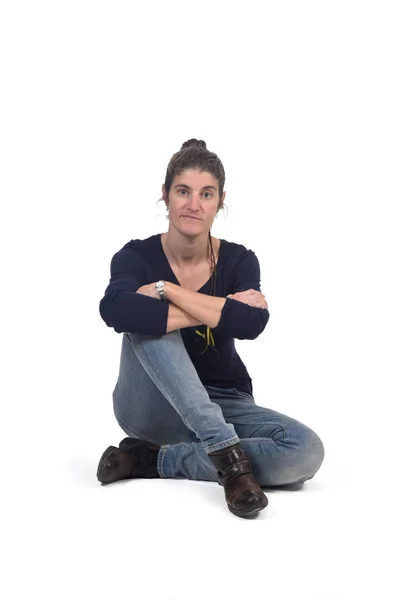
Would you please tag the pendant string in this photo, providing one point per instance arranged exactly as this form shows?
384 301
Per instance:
207 335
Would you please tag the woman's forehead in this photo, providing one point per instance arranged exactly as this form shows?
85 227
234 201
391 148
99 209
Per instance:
195 177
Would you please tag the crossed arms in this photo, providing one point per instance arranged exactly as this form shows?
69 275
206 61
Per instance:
128 306
188 308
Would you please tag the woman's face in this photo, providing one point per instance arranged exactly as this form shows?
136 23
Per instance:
193 201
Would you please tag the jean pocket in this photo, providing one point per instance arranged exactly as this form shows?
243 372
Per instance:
245 394
219 392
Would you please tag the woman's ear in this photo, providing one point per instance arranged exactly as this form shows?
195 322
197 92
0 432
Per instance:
221 202
164 194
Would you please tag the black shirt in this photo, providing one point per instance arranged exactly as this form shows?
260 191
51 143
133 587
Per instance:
141 262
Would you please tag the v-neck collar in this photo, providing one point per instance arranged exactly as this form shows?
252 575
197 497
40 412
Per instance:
172 272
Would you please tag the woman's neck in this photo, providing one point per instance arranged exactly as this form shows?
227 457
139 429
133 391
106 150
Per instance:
184 251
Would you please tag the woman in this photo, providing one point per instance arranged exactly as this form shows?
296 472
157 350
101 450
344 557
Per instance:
183 395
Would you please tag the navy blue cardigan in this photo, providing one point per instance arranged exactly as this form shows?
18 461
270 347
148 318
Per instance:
141 262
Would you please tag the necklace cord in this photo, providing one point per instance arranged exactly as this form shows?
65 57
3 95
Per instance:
207 335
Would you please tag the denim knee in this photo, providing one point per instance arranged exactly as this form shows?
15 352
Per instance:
296 462
312 456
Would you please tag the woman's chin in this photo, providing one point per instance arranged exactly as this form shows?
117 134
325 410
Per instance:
194 226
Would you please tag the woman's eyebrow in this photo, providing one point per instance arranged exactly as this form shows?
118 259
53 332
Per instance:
211 187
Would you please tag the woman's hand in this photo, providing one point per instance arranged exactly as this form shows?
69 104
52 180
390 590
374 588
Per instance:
149 290
250 297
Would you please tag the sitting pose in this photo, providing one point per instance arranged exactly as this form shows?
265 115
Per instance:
183 396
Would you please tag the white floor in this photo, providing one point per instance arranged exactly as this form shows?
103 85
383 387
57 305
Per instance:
71 537
67 536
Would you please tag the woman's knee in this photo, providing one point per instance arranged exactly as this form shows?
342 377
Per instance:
312 456
297 461
309 457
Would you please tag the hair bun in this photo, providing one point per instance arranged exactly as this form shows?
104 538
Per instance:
194 142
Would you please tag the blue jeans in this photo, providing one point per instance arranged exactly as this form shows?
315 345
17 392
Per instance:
160 398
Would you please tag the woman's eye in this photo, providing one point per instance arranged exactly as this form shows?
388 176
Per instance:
185 192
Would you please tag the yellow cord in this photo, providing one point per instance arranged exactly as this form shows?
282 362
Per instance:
209 336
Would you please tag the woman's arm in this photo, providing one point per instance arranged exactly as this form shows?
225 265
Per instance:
179 319
205 309
244 314
243 317
245 320
186 308
124 309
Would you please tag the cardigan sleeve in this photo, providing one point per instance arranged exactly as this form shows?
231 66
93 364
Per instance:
238 319
125 310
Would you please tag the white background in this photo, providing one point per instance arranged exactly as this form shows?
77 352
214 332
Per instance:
300 100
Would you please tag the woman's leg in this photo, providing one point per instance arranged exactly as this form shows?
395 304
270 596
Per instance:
281 450
159 396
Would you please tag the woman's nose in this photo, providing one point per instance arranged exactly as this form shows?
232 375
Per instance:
194 201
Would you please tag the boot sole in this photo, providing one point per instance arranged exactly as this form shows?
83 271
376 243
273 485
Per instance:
103 458
246 514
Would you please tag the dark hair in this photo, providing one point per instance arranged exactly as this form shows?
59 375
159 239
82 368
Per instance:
195 155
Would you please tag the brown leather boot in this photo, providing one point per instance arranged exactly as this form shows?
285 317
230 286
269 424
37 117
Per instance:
242 492
136 458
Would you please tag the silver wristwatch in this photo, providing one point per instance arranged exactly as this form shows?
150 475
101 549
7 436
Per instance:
160 285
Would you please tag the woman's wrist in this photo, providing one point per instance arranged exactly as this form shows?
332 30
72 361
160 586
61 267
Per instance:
167 288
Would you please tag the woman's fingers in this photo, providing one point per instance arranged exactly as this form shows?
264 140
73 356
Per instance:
251 297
